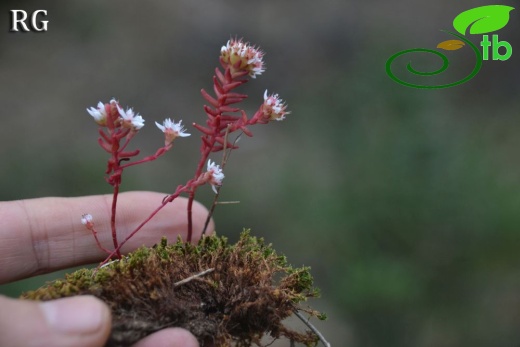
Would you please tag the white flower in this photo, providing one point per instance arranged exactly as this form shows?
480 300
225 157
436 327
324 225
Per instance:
129 119
274 107
86 219
172 130
215 175
99 113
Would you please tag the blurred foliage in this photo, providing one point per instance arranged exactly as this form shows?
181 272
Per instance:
404 202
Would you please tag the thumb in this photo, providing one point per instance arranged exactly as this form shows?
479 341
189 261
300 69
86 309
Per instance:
81 321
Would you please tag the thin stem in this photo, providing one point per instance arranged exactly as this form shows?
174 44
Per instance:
224 151
113 220
127 141
211 210
225 157
312 327
149 158
94 232
191 197
191 278
172 197
111 262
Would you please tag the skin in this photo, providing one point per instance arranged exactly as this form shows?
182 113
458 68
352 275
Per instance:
43 235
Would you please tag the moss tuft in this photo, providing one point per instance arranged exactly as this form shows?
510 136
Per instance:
249 292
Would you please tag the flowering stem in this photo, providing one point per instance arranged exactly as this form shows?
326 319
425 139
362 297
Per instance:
169 199
113 219
191 197
219 122
94 232
157 154
239 60
116 182
225 157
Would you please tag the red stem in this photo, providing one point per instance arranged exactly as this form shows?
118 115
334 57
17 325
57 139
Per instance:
191 197
219 118
113 219
223 83
99 243
172 197
157 154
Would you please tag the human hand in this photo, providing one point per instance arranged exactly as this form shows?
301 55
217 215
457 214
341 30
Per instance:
43 235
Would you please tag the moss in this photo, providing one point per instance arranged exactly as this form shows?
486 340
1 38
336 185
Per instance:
249 292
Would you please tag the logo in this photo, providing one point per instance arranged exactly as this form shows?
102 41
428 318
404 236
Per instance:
480 21
19 18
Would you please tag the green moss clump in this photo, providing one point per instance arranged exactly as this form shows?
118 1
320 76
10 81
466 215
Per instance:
248 291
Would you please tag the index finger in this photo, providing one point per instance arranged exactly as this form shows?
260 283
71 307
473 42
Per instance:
45 234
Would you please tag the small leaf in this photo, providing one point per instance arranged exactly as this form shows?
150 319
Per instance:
451 45
483 19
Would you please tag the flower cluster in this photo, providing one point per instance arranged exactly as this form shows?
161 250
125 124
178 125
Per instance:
214 175
106 115
242 57
238 59
273 107
118 127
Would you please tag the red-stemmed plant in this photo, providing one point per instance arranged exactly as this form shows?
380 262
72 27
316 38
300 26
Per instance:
240 61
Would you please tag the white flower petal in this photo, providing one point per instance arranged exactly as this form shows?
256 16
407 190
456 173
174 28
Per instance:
86 218
163 128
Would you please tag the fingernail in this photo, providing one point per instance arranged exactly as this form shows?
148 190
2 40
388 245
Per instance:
76 315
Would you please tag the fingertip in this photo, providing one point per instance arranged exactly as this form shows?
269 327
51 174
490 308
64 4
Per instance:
171 337
79 321
80 315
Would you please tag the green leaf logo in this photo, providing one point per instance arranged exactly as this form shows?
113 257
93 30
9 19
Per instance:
482 20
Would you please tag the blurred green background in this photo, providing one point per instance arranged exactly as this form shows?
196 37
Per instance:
405 202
